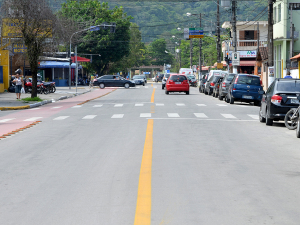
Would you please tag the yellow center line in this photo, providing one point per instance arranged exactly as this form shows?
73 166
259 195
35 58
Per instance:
152 97
143 205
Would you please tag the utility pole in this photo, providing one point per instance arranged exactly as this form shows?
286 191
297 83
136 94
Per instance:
292 29
270 34
200 52
258 44
234 31
191 53
218 33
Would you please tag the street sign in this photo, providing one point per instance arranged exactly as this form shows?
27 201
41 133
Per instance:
196 32
235 58
219 65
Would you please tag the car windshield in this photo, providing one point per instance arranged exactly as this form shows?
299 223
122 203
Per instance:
230 77
289 86
250 80
167 75
191 77
179 78
138 77
216 78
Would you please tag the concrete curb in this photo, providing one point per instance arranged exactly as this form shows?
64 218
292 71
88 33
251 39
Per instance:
41 103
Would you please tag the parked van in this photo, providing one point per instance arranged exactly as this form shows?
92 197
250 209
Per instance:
186 71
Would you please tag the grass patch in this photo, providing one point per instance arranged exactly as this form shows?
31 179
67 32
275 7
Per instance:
35 99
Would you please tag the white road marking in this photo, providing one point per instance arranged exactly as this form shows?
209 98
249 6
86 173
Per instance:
6 120
200 115
173 115
35 109
145 115
97 106
61 118
180 104
200 104
77 106
117 116
256 117
146 87
221 105
154 86
89 117
139 104
118 105
242 105
57 107
160 104
228 116
33 119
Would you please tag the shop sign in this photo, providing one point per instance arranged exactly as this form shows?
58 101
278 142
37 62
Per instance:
19 48
245 54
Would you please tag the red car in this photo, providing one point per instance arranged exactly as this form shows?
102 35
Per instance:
177 83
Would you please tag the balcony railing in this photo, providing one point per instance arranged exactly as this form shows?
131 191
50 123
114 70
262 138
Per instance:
247 43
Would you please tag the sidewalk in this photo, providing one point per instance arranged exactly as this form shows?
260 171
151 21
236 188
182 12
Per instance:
8 100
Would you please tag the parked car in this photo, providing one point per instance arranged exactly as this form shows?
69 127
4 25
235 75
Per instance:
215 72
139 80
177 83
210 83
164 80
280 97
223 89
245 88
217 87
159 77
192 80
113 81
202 83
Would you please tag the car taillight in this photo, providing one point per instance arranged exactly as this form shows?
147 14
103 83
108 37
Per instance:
236 80
234 89
212 84
260 82
223 84
185 81
276 99
170 81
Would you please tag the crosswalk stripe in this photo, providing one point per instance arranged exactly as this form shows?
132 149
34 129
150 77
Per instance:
57 107
180 104
256 117
117 116
173 115
221 105
34 108
118 105
77 106
89 117
6 120
139 104
200 104
61 118
97 106
33 118
243 105
200 115
145 115
228 116
146 87
159 104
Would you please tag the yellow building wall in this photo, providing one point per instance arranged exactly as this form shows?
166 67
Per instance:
4 61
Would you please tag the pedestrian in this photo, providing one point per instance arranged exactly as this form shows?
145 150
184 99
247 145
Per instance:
19 83
127 77
288 75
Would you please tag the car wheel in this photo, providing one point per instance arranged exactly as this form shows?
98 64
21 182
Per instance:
298 129
257 103
209 92
101 85
220 97
261 118
205 92
200 90
126 85
188 92
143 84
290 124
166 92
214 95
231 100
269 121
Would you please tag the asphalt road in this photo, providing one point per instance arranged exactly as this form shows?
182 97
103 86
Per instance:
122 159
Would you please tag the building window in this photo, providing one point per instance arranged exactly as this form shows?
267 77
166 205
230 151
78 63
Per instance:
274 15
279 12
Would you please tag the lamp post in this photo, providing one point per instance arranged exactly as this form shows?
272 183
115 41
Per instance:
91 28
200 44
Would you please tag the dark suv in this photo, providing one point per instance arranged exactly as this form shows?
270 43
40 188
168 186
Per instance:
280 97
245 88
223 89
210 83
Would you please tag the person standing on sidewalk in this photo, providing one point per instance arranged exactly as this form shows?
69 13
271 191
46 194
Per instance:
19 83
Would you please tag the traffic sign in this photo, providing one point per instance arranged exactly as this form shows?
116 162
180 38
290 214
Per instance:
235 58
196 32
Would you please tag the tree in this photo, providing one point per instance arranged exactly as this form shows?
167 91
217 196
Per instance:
111 46
34 25
159 54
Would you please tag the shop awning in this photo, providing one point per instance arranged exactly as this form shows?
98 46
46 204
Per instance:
56 64
247 63
296 57
80 59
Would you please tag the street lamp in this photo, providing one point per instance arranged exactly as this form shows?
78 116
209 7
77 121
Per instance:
200 44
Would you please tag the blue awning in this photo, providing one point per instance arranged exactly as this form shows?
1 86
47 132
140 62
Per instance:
56 64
